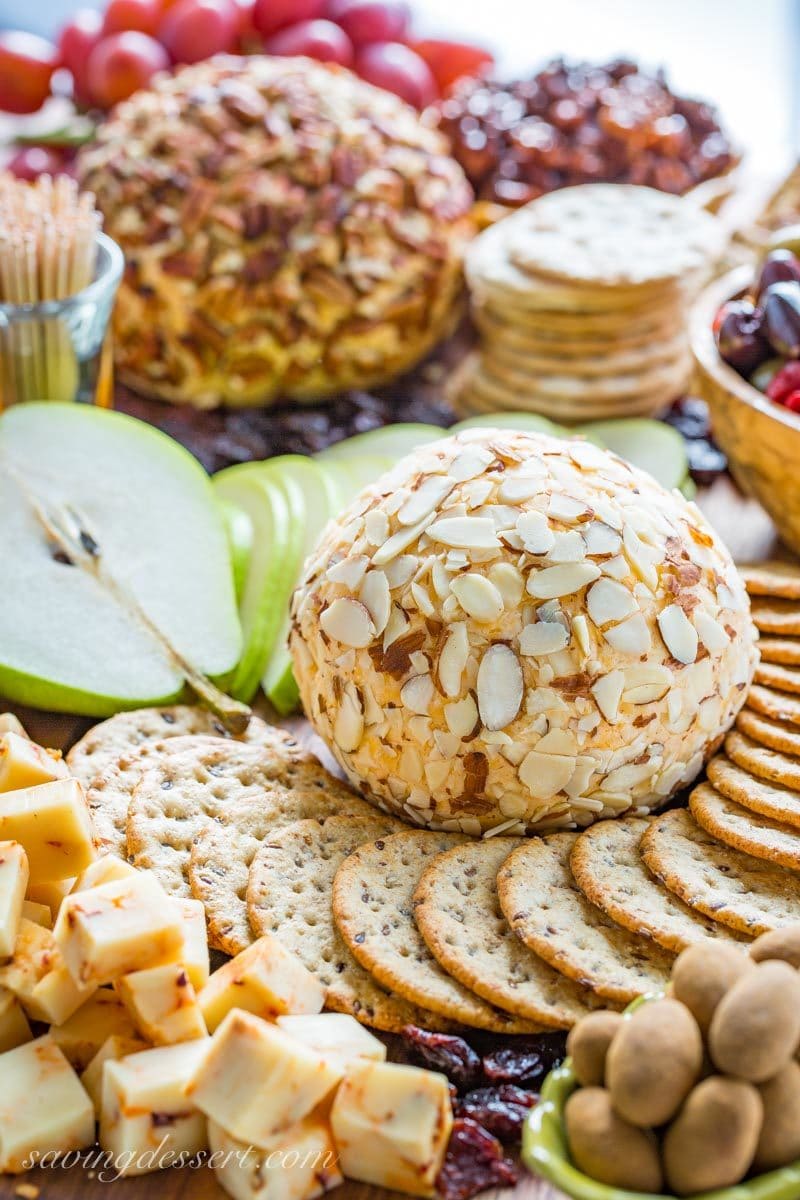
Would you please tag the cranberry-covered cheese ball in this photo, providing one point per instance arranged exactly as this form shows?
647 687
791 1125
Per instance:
288 230
515 632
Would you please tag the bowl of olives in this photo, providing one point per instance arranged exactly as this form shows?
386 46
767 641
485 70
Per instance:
745 334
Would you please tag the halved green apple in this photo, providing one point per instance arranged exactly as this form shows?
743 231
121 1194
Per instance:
389 441
650 445
525 422
116 580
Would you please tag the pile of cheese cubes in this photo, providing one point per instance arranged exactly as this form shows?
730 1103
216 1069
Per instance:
157 1059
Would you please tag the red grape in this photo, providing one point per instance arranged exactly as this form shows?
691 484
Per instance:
248 39
32 161
316 39
450 61
27 64
141 15
194 30
271 15
366 21
77 40
392 66
123 63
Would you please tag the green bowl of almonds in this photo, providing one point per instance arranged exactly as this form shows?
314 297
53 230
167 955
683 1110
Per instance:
545 1152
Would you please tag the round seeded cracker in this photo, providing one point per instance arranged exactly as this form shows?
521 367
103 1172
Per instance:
609 871
761 761
458 915
746 893
758 795
289 895
776 616
544 907
772 578
773 734
778 675
780 706
373 907
736 826
785 651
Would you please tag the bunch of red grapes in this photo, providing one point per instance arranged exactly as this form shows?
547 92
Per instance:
112 54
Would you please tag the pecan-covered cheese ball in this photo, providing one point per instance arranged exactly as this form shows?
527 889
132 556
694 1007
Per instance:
514 632
288 230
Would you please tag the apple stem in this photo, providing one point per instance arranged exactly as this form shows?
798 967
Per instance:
70 535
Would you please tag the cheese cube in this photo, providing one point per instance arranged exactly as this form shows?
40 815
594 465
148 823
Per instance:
11 724
336 1036
43 1107
391 1125
257 1081
52 822
38 913
127 925
50 893
163 1004
13 882
112 1049
265 979
299 1164
23 764
194 954
102 1016
38 976
14 1027
146 1114
103 870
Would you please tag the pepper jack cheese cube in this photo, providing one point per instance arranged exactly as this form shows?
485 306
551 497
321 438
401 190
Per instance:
391 1125
38 976
14 1027
23 764
194 954
103 870
112 1049
336 1036
299 1164
43 1107
52 822
50 893
11 724
256 1081
38 913
102 1016
163 1004
127 925
265 979
146 1110
13 882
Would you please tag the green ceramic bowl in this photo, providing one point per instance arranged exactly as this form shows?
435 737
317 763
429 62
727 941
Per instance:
544 1151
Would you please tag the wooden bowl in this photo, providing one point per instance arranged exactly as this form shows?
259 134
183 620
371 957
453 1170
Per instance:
760 438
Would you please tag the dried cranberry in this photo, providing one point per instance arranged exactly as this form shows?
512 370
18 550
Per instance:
474 1162
501 1110
442 1052
526 1060
786 381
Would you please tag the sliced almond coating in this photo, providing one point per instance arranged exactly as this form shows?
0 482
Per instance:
565 508
630 637
401 570
608 601
552 582
350 571
601 538
397 543
425 499
417 693
568 547
462 716
478 596
453 659
679 634
646 683
518 488
534 529
711 633
545 637
607 691
349 622
508 581
375 596
545 775
469 464
348 727
465 533
500 687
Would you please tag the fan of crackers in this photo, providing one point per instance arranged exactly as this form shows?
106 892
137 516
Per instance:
581 300
410 926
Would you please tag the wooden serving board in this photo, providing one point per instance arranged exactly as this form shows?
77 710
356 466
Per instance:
748 532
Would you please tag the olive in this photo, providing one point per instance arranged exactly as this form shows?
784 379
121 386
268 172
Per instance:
739 338
781 266
781 324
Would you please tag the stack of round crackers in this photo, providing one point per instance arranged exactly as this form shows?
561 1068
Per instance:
581 299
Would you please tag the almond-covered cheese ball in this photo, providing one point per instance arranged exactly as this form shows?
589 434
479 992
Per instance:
514 632
288 229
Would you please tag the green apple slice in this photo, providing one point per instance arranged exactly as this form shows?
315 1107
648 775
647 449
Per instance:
651 445
390 441
239 531
351 475
525 422
117 587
